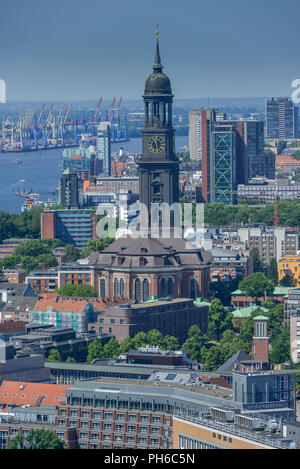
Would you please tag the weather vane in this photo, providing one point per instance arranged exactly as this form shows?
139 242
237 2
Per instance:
157 31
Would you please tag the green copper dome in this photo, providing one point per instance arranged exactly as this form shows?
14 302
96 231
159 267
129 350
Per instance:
158 82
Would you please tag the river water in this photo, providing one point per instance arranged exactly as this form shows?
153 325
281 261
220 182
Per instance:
40 172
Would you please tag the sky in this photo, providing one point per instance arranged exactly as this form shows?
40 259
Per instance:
80 50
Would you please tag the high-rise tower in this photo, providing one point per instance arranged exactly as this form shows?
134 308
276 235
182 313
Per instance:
158 165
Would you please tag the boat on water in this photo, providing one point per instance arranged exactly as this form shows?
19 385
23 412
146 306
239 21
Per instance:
17 161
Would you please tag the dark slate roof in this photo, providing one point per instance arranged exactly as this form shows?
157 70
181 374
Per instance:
233 363
157 253
20 303
17 289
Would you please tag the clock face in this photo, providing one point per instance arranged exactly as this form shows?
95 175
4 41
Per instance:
156 144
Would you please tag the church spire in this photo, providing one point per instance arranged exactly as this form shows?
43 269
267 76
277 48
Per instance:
157 67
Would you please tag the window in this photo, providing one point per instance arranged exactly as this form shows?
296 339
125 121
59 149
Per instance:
108 415
120 416
170 287
144 418
143 429
193 289
102 288
156 419
107 426
163 288
84 424
131 428
97 415
153 441
155 430
72 423
137 294
132 417
142 441
60 435
96 425
145 289
122 287
116 287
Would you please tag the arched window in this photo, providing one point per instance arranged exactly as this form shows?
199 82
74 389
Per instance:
116 287
102 288
137 294
170 287
145 289
163 288
122 287
193 288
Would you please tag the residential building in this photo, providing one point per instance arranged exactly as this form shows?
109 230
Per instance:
70 226
81 160
282 119
72 312
104 146
227 265
70 190
292 312
265 191
171 410
286 163
292 306
199 127
270 242
14 275
8 246
112 185
289 264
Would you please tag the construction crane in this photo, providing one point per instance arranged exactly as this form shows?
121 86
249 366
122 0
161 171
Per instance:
94 120
110 110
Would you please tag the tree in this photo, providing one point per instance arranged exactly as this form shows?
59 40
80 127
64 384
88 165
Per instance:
96 245
256 285
126 345
70 360
38 439
257 263
71 252
139 340
219 319
280 347
54 356
170 343
82 291
288 280
273 271
111 349
154 338
95 351
194 344
281 145
47 260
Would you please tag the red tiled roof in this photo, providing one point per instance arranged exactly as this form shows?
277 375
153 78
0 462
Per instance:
286 159
23 393
61 304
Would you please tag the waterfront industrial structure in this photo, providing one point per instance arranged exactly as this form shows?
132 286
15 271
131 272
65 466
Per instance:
50 129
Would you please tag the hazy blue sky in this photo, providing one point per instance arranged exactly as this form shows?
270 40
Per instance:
70 49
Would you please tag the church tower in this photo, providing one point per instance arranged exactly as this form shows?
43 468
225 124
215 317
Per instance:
158 165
